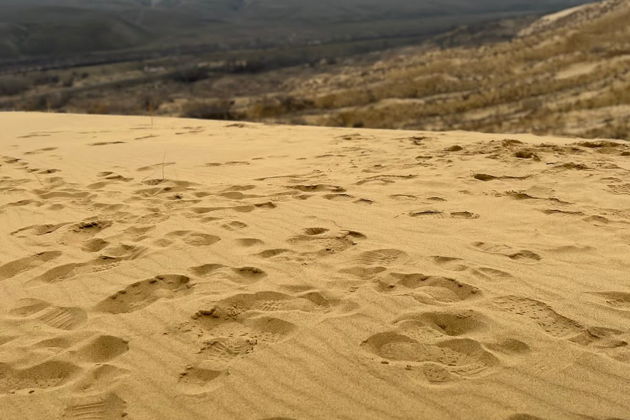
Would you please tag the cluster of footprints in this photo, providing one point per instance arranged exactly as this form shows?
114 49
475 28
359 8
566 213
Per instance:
443 340
437 344
610 341
74 358
452 343
440 344
69 355
61 353
238 325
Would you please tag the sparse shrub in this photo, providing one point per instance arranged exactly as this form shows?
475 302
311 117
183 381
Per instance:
220 109
49 102
13 85
45 78
150 101
275 106
68 80
190 74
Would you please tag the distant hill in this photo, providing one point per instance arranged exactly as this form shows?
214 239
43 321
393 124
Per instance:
567 73
57 27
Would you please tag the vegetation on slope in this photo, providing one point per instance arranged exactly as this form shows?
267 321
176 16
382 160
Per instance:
572 78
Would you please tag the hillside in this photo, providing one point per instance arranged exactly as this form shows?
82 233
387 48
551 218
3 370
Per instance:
159 269
48 28
568 73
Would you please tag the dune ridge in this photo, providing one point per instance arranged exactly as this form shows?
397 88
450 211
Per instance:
166 269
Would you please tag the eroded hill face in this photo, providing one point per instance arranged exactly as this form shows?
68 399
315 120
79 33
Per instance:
568 73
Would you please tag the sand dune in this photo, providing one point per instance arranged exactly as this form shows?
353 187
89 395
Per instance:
181 269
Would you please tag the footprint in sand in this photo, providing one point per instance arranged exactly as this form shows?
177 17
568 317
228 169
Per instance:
235 340
100 377
164 186
620 189
236 326
615 300
108 178
38 151
542 314
236 305
318 188
195 380
609 341
427 289
239 188
384 179
249 274
251 311
435 324
50 374
237 195
382 257
206 269
318 241
194 238
13 268
271 253
490 273
487 177
523 255
37 230
234 225
85 230
60 317
362 272
339 197
84 347
106 143
100 349
242 275
67 194
437 214
109 259
249 242
450 263
404 197
143 293
440 358
94 245
98 407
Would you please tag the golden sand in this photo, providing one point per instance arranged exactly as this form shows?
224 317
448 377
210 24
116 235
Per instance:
182 269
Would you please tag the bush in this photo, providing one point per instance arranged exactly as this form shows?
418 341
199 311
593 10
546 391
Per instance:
276 106
220 109
48 102
189 75
45 79
12 85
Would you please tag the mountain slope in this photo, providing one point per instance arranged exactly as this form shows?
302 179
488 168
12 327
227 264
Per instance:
566 74
73 26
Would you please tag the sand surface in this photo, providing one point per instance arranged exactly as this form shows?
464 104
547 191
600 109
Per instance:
212 270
